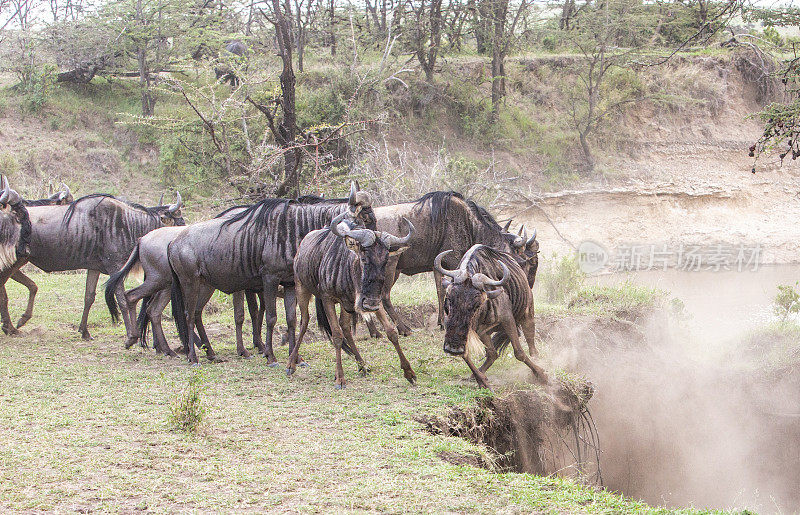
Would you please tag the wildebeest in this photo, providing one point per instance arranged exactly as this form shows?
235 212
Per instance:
15 237
233 49
97 233
151 255
252 250
445 220
346 265
478 304
60 198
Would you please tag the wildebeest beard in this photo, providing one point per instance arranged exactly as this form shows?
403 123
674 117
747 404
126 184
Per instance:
463 305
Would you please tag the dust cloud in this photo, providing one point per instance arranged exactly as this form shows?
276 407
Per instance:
688 420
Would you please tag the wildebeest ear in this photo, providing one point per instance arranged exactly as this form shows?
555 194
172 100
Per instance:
493 294
399 251
351 243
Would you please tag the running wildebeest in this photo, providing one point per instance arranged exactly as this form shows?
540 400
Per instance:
97 233
252 250
346 265
445 220
15 238
476 304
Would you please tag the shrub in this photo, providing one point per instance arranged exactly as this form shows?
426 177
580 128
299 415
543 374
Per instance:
37 87
561 279
786 301
188 409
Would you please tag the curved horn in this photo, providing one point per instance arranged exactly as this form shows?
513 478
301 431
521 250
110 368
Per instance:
508 225
481 281
334 225
532 239
6 191
64 193
351 199
521 228
161 200
178 203
437 264
393 241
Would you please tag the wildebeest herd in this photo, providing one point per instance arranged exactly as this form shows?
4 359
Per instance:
341 251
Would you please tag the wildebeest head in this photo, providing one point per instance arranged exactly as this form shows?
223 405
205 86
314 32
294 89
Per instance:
63 196
8 198
171 214
373 250
359 205
466 296
525 251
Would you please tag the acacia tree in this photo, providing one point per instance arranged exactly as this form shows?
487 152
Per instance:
425 33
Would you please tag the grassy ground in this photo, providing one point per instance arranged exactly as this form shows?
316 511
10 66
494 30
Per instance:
86 426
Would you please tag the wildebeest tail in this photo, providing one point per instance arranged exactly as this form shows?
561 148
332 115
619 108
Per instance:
116 279
179 308
500 340
143 320
325 324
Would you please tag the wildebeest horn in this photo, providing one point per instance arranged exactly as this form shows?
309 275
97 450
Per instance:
393 242
508 225
64 193
161 200
353 190
532 239
519 241
481 281
521 228
364 236
6 191
178 203
437 265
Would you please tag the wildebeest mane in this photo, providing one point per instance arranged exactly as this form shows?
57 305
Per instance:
152 211
40 202
258 213
439 202
228 210
483 215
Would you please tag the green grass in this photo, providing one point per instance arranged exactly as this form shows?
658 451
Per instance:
86 425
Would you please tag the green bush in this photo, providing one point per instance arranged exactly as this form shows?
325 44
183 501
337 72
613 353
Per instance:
37 86
188 409
786 301
561 279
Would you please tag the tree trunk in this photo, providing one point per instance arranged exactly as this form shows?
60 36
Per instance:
587 152
287 128
499 14
332 33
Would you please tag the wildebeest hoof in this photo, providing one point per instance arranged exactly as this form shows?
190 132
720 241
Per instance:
273 364
289 372
412 379
246 355
340 386
11 331
303 364
86 336
22 321
131 342
216 359
182 350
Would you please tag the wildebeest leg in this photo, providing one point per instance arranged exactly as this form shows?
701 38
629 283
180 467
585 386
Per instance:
27 282
8 327
372 327
290 306
256 317
270 286
336 337
190 303
238 320
149 288
155 310
303 298
92 277
491 351
480 377
391 333
510 328
402 327
345 322
202 300
529 330
437 278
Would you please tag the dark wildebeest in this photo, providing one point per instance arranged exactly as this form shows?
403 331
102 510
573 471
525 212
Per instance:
445 220
59 198
235 50
478 304
252 250
15 237
97 233
151 255
348 266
